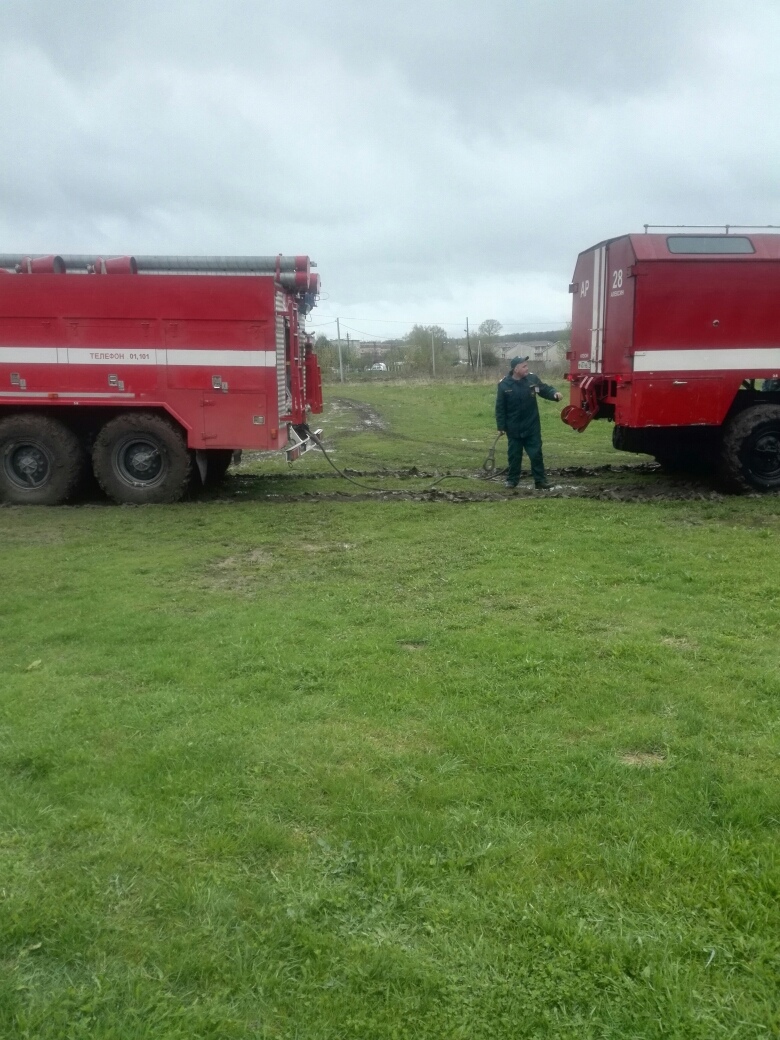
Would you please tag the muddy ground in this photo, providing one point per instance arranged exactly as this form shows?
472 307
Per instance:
633 481
345 418
616 483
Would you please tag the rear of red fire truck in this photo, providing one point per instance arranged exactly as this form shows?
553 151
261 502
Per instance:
676 339
151 370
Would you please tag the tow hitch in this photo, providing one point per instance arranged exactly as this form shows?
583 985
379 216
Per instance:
575 417
301 439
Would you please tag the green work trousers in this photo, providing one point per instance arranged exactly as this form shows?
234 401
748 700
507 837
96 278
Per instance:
532 443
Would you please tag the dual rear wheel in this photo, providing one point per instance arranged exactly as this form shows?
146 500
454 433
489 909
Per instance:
137 458
41 461
141 459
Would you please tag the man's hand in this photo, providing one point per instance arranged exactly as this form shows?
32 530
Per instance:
501 433
558 397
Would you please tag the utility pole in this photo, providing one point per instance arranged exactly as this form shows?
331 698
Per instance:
338 336
433 356
479 355
468 345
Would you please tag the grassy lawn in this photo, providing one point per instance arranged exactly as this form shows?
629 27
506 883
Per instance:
391 769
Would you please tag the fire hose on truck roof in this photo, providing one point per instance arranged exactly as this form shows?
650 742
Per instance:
293 272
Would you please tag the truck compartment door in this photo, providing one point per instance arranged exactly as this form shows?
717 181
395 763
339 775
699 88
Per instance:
235 421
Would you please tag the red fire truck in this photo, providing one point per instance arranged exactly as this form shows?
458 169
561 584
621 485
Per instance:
155 369
676 339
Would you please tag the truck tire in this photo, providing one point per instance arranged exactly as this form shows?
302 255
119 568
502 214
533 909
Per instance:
671 463
750 453
219 460
140 459
41 461
686 462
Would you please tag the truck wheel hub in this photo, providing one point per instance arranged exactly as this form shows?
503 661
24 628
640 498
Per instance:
766 454
27 465
140 461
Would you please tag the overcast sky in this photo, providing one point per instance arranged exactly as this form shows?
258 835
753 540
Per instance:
438 159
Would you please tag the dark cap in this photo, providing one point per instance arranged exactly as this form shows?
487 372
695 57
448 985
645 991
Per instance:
515 362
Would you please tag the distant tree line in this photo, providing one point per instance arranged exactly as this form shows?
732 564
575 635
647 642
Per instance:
426 346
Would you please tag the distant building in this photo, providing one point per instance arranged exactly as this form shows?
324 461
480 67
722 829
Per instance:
540 351
371 348
372 352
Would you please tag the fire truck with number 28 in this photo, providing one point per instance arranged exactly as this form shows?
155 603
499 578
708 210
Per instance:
676 339
153 369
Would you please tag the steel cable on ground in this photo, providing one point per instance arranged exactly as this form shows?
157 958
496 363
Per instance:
554 459
367 487
487 472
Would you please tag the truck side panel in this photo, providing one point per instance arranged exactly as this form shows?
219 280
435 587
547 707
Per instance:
702 326
205 349
708 304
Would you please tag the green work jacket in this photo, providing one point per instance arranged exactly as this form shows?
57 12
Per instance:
516 409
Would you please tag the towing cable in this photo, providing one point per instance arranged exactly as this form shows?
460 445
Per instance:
488 468
489 465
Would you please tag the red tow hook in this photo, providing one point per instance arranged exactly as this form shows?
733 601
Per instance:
576 417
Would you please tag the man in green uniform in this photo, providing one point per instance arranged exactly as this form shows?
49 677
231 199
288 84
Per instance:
517 415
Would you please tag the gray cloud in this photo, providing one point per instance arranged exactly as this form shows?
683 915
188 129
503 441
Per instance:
437 159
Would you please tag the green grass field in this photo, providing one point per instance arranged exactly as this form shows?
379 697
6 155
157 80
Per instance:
388 769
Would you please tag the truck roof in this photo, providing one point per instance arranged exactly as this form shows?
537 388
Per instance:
686 244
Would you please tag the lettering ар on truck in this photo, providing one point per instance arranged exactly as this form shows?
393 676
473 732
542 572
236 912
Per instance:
154 370
676 339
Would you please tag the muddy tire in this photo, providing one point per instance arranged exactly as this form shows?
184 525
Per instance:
685 463
750 454
41 461
141 459
218 463
671 463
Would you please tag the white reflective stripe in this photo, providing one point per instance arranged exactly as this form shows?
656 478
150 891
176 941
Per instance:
594 321
724 359
137 356
114 357
28 355
602 308
228 358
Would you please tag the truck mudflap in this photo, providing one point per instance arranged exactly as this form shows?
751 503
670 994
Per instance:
300 440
